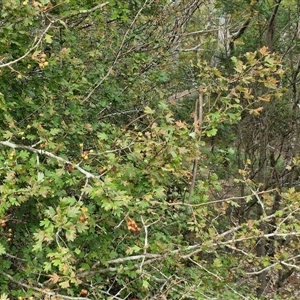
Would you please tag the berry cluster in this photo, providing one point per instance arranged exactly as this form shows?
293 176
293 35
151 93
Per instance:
84 293
132 226
2 223
84 216
40 58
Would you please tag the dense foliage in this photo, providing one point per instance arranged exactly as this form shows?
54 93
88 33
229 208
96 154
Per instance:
149 149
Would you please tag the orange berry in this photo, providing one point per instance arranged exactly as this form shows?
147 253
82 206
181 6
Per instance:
83 293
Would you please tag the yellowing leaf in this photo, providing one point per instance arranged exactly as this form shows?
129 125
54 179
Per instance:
217 263
48 39
65 284
4 297
145 284
265 98
148 110
64 52
63 23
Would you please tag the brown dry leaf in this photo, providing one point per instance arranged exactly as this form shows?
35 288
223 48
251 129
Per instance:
256 111
64 52
250 223
288 167
88 127
224 206
264 50
180 124
54 278
266 98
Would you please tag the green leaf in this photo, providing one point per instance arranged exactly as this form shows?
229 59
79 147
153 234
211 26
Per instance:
2 249
145 284
50 212
85 266
45 223
23 154
102 136
234 59
40 177
133 249
7 134
73 212
212 132
54 131
77 251
47 266
218 263
67 201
